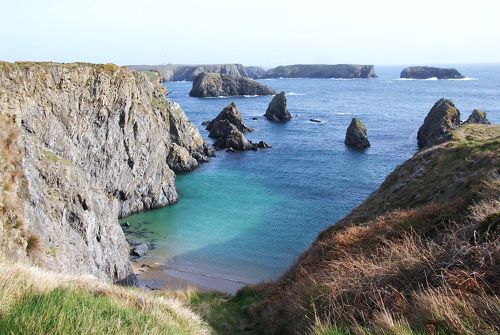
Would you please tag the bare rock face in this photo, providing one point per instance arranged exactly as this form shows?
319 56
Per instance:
228 128
277 111
442 118
223 85
356 135
478 116
180 72
347 71
98 142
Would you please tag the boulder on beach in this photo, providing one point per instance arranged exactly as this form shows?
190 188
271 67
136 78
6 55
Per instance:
277 110
223 85
356 136
228 128
139 250
478 116
427 72
442 118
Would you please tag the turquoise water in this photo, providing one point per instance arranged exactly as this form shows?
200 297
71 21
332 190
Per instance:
246 217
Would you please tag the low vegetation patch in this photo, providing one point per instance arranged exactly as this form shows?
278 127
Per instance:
39 302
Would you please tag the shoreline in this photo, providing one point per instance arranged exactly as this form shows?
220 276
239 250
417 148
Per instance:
156 276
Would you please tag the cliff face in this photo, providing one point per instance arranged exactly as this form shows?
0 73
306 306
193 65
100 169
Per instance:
343 71
96 143
177 72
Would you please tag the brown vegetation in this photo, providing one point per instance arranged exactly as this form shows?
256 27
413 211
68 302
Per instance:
421 255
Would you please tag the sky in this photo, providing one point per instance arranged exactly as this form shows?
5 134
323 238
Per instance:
256 32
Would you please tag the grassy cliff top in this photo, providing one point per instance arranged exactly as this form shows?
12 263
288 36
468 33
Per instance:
419 256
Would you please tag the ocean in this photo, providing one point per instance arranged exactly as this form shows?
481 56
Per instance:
245 217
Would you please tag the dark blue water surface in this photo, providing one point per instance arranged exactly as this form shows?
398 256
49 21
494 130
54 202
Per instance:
247 216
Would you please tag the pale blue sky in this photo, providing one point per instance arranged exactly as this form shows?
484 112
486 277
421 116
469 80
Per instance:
253 32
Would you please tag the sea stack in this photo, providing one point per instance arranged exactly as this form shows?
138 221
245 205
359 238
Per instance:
356 136
478 116
427 72
339 71
223 85
442 118
228 128
277 111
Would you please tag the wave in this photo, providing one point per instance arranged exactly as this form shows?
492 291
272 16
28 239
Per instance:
434 79
341 113
293 93
250 96
464 79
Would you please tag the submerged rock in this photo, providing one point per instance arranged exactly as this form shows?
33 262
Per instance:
277 111
315 120
426 72
442 118
263 145
217 85
356 135
478 116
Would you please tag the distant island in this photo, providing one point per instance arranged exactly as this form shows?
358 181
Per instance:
340 71
427 72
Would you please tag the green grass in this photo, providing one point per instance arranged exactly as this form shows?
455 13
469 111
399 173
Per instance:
224 313
73 311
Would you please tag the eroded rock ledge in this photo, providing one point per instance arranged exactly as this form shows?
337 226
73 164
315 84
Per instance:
98 142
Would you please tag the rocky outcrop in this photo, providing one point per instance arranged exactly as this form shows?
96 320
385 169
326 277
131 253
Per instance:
97 142
277 110
255 72
231 114
427 72
223 85
356 136
437 126
341 71
178 72
228 128
478 116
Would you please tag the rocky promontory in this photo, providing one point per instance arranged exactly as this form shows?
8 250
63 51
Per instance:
438 124
179 72
255 72
277 110
340 71
427 72
96 142
228 128
478 116
223 85
356 136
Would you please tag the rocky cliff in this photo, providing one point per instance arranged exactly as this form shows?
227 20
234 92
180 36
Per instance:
178 72
255 72
97 142
342 71
223 85
426 72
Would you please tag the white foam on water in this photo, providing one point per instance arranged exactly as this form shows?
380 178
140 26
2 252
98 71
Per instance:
250 96
464 79
293 93
341 113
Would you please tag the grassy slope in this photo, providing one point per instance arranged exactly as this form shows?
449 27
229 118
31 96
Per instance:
39 302
420 255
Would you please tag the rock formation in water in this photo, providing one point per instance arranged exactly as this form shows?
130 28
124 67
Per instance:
223 85
426 72
356 136
97 142
255 72
341 71
478 116
437 126
277 110
228 128
178 72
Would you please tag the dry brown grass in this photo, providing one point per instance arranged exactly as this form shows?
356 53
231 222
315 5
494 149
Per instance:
432 266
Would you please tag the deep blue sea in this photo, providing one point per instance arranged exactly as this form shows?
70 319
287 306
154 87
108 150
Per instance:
246 217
